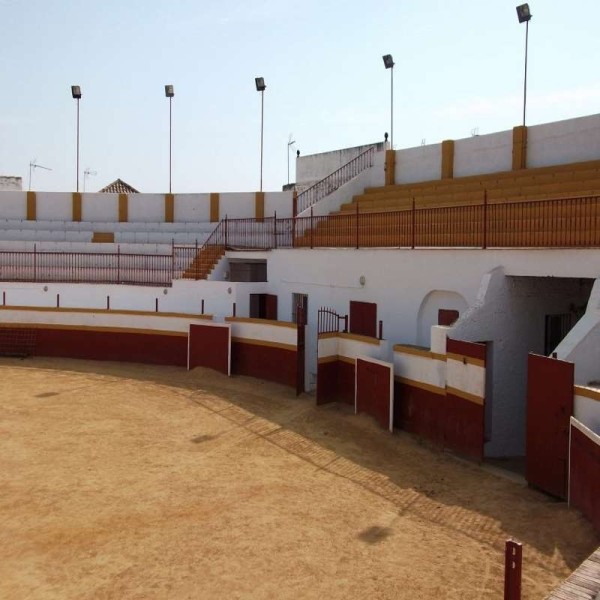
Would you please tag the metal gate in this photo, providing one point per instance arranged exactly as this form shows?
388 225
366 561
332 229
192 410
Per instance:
549 408
329 321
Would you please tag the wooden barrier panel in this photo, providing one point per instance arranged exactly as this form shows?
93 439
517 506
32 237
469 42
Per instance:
375 390
549 408
210 346
584 471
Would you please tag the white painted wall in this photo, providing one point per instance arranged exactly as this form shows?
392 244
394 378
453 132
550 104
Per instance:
428 311
285 334
587 410
423 163
420 368
192 207
13 205
54 206
280 203
483 154
144 208
562 142
314 167
238 205
100 207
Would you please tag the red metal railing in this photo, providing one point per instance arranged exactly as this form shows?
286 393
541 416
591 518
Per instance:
334 180
563 223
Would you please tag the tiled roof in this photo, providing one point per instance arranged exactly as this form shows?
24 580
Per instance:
118 187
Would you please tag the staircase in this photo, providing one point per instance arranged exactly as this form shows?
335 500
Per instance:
204 262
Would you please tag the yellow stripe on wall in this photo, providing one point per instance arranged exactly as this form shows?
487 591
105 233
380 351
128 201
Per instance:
259 203
31 206
214 207
390 167
519 150
123 209
169 208
76 206
464 395
447 159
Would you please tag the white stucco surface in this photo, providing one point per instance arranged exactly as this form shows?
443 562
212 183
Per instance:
587 410
483 154
54 206
264 332
422 163
421 369
146 208
100 207
13 205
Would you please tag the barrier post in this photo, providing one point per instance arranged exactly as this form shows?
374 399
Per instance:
275 230
513 556
485 210
119 263
311 227
35 262
413 225
172 259
202 307
380 330
357 225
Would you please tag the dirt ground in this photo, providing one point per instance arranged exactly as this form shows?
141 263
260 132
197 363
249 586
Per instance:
137 482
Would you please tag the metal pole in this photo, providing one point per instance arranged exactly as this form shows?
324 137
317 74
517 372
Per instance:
262 114
525 79
29 176
170 138
392 111
78 144
288 157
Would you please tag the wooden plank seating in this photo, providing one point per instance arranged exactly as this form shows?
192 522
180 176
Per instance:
583 583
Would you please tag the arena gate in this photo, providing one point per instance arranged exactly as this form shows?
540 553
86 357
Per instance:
210 346
375 390
549 409
328 388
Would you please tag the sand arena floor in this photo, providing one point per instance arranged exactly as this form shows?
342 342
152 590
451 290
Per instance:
129 481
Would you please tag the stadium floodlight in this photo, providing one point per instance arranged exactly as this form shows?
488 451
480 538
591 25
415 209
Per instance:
261 87
76 93
169 93
524 15
388 61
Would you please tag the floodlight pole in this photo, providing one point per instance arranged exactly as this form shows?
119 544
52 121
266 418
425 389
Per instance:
392 108
262 115
525 78
170 139
78 99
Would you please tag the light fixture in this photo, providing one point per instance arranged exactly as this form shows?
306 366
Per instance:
388 61
260 84
169 92
523 13
76 92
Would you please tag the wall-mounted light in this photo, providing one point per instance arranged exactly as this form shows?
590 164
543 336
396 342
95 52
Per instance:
362 280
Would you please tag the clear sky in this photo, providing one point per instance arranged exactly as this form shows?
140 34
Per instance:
459 66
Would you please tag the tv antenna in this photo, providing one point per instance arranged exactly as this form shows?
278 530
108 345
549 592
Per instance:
33 166
87 173
475 132
290 143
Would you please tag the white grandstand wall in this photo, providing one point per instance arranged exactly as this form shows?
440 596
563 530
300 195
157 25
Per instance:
422 163
141 208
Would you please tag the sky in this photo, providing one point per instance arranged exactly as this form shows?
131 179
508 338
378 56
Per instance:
458 69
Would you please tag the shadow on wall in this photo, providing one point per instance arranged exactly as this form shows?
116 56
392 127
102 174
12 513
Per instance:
433 302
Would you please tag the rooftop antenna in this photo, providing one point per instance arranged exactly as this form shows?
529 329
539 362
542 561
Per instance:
475 132
423 141
86 174
33 166
290 143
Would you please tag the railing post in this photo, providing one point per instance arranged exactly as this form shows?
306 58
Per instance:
311 228
172 259
413 231
35 262
357 225
513 557
485 218
345 323
202 306
226 233
275 229
119 263
380 330
234 309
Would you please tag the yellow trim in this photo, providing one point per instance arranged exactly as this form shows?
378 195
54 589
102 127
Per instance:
390 167
214 207
428 387
261 322
337 358
465 359
328 335
519 148
123 208
103 237
359 338
465 395
253 342
259 205
402 349
76 206
169 208
92 328
586 392
104 311
447 159
31 206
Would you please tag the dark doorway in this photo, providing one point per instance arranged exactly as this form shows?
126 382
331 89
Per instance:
263 306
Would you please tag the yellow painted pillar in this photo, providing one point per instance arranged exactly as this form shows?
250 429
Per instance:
31 206
390 167
259 205
76 206
169 208
123 212
447 159
519 152
214 207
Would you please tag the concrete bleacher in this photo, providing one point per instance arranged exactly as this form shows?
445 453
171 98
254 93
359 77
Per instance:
183 233
575 179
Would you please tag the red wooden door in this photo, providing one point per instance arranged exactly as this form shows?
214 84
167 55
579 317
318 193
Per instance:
363 318
301 348
210 346
549 408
